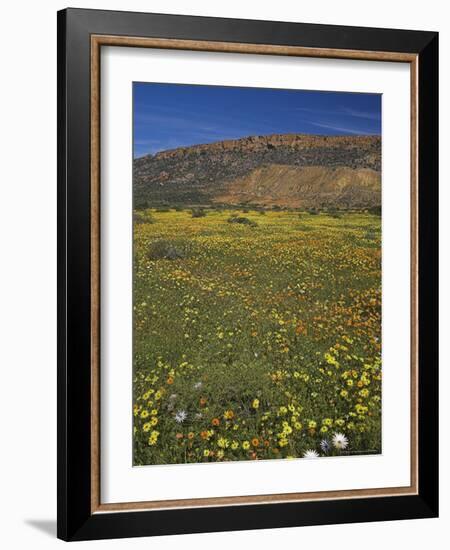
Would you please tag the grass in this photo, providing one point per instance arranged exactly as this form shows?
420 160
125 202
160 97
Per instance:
262 341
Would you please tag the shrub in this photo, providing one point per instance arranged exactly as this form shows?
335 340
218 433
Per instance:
166 250
334 214
142 217
162 209
305 227
242 220
375 210
198 213
370 235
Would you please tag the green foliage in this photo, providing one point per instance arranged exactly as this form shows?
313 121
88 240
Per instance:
376 210
335 214
242 220
198 213
142 216
164 249
371 234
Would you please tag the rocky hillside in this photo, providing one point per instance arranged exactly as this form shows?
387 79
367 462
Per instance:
286 170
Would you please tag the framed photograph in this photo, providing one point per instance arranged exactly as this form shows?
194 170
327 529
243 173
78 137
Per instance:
247 274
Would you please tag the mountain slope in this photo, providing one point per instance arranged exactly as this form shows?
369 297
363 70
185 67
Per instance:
283 169
309 187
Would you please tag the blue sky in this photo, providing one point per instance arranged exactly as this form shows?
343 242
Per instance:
174 115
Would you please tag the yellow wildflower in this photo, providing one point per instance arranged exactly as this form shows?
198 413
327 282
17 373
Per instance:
153 438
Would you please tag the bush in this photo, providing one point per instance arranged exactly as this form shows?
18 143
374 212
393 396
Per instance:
198 213
143 217
162 209
371 235
334 214
166 250
375 210
262 212
242 220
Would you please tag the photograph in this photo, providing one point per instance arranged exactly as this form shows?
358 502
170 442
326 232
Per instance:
257 253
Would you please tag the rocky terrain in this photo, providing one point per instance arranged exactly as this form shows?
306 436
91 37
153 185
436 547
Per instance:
293 170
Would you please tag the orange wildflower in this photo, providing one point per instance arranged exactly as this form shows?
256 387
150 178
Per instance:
301 329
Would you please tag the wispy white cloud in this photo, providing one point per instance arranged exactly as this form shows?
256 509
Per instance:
347 111
361 114
347 129
315 110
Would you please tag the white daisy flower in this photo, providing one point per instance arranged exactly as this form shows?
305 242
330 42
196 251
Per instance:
197 385
180 416
340 441
310 454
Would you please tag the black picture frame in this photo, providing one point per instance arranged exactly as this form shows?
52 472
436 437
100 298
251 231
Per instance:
75 519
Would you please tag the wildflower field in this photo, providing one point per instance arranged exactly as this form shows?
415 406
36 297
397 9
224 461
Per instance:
256 339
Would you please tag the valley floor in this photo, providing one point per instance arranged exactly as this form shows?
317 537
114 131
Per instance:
256 340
